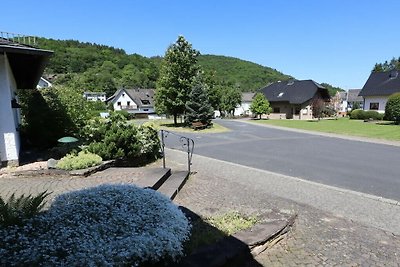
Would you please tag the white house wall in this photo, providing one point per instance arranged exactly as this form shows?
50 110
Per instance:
123 98
9 117
376 99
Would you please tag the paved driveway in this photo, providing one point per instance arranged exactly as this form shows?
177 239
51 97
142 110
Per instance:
360 166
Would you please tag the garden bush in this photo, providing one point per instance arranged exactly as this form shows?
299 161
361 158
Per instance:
108 225
115 138
79 161
392 109
359 114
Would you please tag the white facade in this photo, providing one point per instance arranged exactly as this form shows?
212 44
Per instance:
95 96
9 117
43 83
122 101
243 109
377 103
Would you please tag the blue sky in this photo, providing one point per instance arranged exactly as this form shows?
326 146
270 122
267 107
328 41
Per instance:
337 42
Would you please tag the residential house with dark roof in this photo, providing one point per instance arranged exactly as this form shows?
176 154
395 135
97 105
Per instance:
135 101
377 89
21 66
291 99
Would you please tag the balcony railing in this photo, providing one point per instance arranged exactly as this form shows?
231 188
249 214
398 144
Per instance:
19 38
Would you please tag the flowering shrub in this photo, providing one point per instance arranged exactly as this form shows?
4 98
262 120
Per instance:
81 161
109 225
116 138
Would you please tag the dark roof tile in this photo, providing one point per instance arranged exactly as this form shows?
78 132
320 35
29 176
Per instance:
382 83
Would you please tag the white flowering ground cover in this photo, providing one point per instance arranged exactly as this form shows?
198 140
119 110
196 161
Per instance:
108 225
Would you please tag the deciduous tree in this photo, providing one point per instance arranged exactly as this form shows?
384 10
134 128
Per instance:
260 105
178 70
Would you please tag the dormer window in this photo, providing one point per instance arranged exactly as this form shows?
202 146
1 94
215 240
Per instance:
145 101
280 94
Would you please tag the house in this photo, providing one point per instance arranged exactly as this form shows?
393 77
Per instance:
347 100
291 99
378 88
95 96
43 83
244 108
139 102
354 99
20 69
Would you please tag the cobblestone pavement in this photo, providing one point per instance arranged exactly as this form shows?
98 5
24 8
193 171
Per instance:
318 237
57 184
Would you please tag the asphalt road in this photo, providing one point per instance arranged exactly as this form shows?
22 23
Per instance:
365 167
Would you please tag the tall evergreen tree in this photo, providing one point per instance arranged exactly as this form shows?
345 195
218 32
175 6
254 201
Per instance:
198 107
178 70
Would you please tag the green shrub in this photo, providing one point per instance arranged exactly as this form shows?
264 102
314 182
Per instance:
16 210
356 114
392 109
371 114
359 114
115 138
81 161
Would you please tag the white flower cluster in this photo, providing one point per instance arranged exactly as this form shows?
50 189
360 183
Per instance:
108 225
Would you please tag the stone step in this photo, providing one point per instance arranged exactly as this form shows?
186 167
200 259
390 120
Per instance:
173 184
154 178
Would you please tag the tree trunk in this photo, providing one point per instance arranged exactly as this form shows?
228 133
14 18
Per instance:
175 120
260 116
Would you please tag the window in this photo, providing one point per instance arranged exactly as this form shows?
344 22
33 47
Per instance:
297 111
277 110
128 103
280 94
145 102
118 103
374 106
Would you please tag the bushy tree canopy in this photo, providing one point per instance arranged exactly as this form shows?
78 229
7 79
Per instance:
231 98
178 70
260 105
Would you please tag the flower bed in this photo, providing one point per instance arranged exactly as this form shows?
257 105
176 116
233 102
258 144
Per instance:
108 225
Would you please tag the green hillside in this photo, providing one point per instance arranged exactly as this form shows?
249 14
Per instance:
247 75
94 67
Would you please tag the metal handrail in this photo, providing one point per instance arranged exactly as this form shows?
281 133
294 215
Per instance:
186 142
19 38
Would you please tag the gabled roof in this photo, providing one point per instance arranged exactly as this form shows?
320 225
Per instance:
27 62
293 91
247 97
352 95
142 97
382 83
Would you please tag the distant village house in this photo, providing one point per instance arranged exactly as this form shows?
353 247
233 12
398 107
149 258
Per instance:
139 102
95 96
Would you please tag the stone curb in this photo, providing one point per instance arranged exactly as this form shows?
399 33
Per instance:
234 250
88 171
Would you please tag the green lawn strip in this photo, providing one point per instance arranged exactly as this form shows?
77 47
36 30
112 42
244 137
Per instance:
381 130
169 126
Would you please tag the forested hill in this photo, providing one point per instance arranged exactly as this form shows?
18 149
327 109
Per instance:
247 75
94 67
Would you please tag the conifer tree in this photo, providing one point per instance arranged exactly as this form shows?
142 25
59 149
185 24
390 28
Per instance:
198 107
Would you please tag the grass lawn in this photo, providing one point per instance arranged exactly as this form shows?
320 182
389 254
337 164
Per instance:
381 130
169 126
